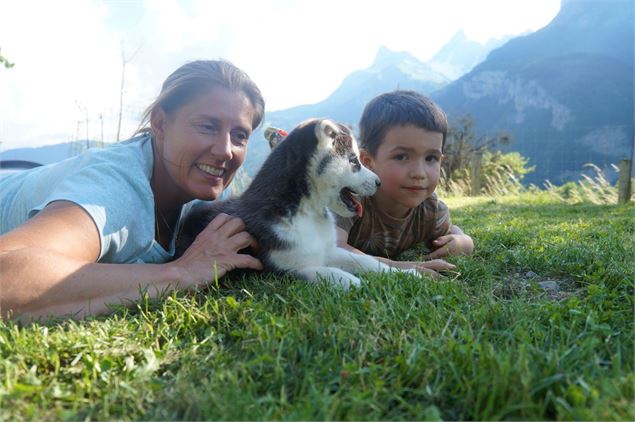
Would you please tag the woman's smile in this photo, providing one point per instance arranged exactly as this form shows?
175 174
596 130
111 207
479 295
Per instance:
211 171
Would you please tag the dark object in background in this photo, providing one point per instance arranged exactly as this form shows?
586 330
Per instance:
18 164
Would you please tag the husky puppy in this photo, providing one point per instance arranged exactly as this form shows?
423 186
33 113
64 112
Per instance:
288 205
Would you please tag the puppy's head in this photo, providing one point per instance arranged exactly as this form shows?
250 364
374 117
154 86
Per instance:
336 173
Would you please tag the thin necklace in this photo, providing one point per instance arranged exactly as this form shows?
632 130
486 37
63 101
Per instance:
165 222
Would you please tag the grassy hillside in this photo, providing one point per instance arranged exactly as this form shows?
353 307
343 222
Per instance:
537 325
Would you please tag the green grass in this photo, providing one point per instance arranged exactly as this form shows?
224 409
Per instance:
486 343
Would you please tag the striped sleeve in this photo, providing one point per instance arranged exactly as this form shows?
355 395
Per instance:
442 221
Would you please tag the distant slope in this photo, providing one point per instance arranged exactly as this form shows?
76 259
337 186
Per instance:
46 154
460 55
565 92
390 70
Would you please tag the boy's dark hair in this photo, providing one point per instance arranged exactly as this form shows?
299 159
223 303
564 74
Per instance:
399 108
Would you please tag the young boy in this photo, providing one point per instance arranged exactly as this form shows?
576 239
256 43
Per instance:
402 134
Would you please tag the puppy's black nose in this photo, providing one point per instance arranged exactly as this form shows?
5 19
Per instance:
377 182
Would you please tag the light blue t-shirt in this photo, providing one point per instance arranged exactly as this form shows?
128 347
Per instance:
111 184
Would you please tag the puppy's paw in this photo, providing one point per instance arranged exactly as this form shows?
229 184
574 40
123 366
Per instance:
346 281
331 275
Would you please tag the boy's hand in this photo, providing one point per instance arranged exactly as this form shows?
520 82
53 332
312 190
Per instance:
451 244
431 268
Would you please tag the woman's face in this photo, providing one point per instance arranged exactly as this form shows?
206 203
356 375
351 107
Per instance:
201 145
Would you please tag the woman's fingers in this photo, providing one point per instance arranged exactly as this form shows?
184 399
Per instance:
248 261
217 247
218 221
226 225
242 240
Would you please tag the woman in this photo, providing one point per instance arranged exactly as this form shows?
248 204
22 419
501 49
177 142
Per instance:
73 234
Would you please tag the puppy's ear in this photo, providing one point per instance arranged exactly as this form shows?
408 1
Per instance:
326 131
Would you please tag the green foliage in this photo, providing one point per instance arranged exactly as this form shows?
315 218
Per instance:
594 189
485 343
494 163
462 143
501 174
6 63
240 183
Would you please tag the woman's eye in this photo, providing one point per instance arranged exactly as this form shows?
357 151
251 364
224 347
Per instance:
239 138
432 158
208 128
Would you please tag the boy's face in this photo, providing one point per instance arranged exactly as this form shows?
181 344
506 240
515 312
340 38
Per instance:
408 162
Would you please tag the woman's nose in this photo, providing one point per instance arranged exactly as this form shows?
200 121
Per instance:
222 146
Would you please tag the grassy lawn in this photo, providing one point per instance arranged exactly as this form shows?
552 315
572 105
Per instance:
538 324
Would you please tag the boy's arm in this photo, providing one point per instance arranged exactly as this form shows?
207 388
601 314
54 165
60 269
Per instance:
427 267
454 243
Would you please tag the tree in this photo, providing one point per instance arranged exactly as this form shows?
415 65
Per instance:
497 172
461 144
124 61
3 61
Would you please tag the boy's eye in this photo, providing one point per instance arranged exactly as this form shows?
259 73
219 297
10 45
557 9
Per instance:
400 157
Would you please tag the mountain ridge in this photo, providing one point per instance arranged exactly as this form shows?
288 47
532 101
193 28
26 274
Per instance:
557 89
564 92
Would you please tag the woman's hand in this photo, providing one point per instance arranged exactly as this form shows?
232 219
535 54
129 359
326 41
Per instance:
214 252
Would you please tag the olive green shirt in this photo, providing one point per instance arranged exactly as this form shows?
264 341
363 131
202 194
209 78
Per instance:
379 234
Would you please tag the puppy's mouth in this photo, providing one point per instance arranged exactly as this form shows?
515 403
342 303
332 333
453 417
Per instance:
352 201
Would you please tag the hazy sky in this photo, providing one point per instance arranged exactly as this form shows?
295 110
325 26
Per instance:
68 53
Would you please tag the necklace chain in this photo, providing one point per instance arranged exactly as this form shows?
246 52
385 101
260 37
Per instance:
165 221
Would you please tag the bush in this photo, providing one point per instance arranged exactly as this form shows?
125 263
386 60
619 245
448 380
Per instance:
501 173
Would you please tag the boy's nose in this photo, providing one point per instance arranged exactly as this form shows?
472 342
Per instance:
418 172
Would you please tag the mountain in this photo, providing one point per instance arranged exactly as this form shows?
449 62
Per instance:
461 54
47 154
565 92
389 71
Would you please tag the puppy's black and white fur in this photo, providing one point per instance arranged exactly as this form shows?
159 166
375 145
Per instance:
288 205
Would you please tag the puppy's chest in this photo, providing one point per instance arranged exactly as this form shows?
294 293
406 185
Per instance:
310 233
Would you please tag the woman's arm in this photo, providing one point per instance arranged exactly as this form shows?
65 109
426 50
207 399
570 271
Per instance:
425 267
48 265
